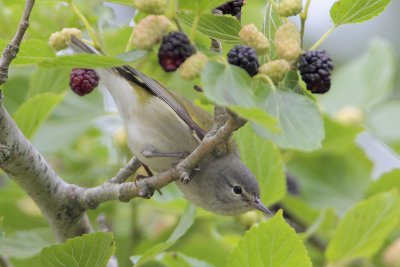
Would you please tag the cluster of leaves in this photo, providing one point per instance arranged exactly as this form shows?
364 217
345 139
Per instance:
346 218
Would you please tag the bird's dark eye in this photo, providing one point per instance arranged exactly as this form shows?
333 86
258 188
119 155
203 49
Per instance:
237 189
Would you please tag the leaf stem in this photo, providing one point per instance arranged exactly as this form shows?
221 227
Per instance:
171 9
273 3
322 39
303 18
130 42
194 27
88 27
271 83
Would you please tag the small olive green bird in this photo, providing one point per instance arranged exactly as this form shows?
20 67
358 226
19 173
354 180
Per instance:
164 127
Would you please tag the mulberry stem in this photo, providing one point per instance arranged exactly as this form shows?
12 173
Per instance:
322 39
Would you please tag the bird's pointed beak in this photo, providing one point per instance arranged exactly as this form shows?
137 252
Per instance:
257 204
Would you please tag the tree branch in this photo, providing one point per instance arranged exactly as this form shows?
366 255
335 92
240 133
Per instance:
21 161
4 262
92 197
10 52
124 173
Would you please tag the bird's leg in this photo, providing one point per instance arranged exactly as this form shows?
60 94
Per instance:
151 152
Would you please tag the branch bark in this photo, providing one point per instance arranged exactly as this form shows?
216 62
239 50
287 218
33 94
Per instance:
21 161
10 52
4 262
55 198
124 173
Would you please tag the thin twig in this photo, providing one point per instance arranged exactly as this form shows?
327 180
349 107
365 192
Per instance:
124 173
102 222
11 50
216 45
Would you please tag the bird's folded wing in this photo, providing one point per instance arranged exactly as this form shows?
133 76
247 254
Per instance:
157 89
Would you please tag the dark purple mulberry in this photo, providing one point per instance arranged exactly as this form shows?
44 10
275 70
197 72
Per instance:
83 81
245 57
315 68
232 7
174 50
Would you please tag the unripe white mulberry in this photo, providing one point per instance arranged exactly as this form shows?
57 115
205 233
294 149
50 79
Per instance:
155 7
350 115
288 42
391 255
150 30
192 66
59 40
252 37
287 8
276 69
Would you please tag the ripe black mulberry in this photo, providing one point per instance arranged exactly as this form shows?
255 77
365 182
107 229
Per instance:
316 68
232 7
245 57
174 50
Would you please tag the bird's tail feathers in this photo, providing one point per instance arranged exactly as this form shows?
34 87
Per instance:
78 46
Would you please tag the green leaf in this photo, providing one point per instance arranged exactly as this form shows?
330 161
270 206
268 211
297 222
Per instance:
69 121
224 28
382 120
364 228
229 85
329 179
33 51
326 220
88 250
271 243
368 79
38 52
81 61
301 210
385 183
43 80
264 161
31 114
298 117
258 116
184 224
176 259
356 11
26 244
272 21
2 233
226 84
339 138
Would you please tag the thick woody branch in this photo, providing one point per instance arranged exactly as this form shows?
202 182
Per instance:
4 262
10 52
92 197
22 162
